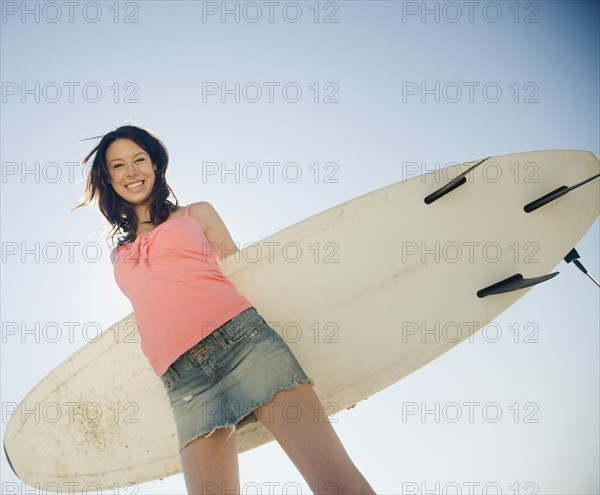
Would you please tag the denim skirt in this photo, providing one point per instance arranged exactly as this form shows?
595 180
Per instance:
219 381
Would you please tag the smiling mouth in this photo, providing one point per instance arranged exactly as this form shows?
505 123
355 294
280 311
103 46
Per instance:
135 185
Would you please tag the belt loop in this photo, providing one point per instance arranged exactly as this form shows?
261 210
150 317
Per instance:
173 374
199 351
219 337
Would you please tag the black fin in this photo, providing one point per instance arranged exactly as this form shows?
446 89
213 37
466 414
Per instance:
453 184
552 195
515 282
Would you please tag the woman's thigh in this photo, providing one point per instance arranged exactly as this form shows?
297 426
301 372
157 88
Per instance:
299 423
210 465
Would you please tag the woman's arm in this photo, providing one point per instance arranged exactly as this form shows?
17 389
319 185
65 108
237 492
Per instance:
215 230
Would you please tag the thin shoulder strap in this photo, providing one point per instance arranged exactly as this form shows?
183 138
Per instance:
186 212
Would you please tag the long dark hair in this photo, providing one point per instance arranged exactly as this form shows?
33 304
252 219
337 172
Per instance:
121 214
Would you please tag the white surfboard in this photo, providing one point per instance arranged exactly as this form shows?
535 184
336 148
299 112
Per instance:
364 293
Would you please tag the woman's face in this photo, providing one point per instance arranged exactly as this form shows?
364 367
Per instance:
131 171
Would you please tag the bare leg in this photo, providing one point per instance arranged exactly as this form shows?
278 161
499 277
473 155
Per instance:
299 423
210 465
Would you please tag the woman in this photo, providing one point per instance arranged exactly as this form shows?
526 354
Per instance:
221 364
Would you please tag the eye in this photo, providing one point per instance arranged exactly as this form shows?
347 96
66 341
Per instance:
117 165
141 159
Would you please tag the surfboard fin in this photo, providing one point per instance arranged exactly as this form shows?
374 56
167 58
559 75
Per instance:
515 282
552 195
453 184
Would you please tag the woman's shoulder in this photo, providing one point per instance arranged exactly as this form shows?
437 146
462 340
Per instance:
200 207
215 230
203 212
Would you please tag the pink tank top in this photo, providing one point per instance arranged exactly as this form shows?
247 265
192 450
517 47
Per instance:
176 289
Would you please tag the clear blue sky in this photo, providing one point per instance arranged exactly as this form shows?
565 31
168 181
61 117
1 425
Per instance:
387 83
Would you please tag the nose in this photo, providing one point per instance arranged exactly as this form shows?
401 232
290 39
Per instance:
131 168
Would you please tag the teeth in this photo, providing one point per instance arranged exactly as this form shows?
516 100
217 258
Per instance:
135 185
